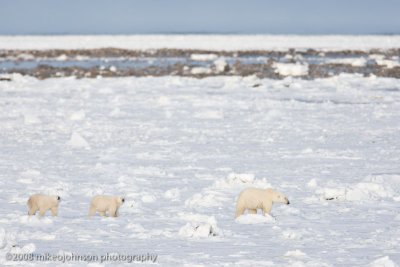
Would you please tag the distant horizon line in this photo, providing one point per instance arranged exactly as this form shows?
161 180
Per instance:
199 33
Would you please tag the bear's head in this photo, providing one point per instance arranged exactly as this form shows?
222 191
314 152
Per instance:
279 197
120 200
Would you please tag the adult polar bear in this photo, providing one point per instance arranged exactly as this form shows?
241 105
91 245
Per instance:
43 203
256 198
103 204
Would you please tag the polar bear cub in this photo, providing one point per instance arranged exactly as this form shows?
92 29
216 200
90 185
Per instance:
256 198
103 204
43 203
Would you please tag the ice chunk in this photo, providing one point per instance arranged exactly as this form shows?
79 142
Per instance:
200 70
147 198
199 226
383 262
203 57
312 183
78 115
197 230
220 65
295 253
31 119
241 177
77 141
290 69
172 194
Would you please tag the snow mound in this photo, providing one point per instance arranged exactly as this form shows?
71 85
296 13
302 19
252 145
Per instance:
8 244
356 192
31 119
383 262
200 226
3 238
203 57
172 194
220 65
148 198
241 179
255 219
28 248
62 57
290 69
117 113
363 191
215 195
234 179
359 62
200 70
77 141
163 101
31 173
78 115
355 62
294 233
295 253
332 193
381 61
312 183
25 181
197 230
207 199
209 114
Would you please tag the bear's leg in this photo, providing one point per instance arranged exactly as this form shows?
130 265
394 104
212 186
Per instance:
252 211
239 211
32 208
267 208
116 212
54 211
112 212
92 210
32 211
42 212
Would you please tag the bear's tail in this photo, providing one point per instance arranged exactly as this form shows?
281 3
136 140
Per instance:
29 203
239 210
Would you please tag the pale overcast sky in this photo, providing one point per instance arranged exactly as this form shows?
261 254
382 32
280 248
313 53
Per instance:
206 16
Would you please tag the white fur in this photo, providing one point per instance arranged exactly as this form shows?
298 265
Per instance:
103 204
43 203
256 198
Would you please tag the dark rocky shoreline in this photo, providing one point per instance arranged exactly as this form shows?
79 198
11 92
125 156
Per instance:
261 64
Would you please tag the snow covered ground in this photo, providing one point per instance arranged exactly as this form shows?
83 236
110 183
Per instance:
181 149
204 42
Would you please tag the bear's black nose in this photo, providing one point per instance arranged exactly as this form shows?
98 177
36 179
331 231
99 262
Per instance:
123 200
58 197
